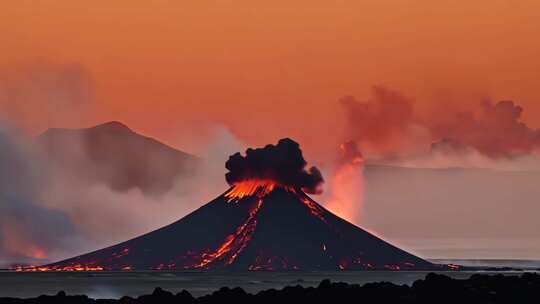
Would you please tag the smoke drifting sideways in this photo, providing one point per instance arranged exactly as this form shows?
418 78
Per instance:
496 131
28 228
389 127
283 163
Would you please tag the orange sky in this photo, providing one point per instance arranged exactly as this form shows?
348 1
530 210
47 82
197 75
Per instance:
268 69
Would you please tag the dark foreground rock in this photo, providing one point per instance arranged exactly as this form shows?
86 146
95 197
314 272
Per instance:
435 288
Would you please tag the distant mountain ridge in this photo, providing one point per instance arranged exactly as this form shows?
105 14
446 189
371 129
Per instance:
114 154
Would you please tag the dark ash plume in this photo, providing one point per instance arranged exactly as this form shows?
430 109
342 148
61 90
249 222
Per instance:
283 163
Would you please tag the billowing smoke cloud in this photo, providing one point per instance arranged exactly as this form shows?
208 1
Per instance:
385 125
389 125
496 131
29 229
283 163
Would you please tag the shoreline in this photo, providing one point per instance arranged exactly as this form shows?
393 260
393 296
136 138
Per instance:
440 288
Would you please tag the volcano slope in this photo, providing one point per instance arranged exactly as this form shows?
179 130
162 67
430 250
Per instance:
265 221
255 225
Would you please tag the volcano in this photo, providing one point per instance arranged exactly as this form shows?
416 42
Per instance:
264 221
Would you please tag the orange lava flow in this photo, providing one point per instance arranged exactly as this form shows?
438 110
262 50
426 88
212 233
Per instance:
267 263
234 243
314 209
78 267
74 267
253 187
20 245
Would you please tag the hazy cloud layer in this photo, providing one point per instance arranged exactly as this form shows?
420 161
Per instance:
44 95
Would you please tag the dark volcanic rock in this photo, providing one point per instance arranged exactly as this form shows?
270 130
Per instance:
434 288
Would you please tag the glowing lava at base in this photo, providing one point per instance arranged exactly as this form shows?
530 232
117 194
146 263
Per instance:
19 245
65 268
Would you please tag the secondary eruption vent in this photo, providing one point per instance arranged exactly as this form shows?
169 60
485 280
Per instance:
265 221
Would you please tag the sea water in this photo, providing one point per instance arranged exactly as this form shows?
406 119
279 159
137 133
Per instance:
135 283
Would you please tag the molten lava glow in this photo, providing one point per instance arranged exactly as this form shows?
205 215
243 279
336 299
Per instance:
314 209
347 188
234 243
453 267
122 253
90 266
253 187
392 267
76 267
268 263
18 245
80 265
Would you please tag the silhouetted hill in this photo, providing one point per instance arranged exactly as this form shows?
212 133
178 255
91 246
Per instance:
113 154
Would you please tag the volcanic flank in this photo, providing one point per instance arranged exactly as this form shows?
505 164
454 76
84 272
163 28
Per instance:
264 221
